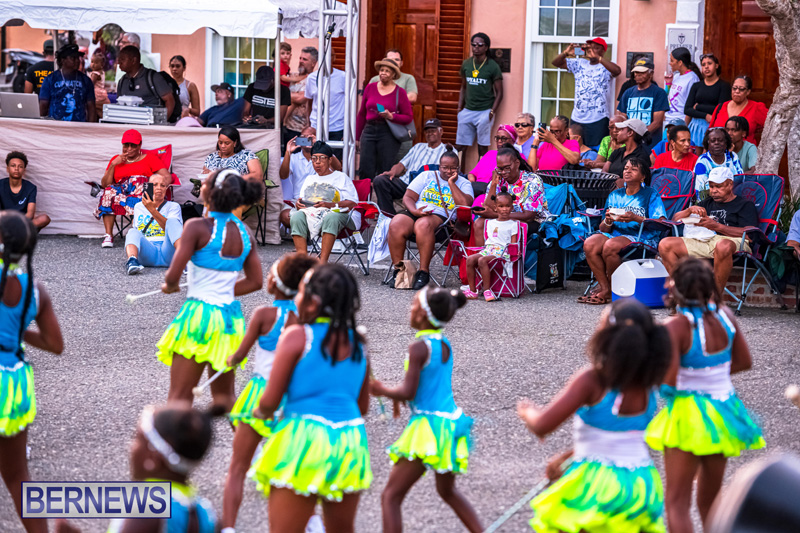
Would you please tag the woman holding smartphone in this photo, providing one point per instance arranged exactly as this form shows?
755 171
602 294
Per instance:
383 101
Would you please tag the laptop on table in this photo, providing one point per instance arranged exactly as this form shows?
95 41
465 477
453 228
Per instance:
19 105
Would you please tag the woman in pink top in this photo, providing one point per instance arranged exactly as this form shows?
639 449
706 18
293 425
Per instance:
382 101
481 175
553 148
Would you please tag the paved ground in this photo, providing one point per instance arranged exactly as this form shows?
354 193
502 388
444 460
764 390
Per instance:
89 398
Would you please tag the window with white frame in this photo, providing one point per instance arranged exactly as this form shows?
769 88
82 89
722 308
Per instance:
242 57
551 26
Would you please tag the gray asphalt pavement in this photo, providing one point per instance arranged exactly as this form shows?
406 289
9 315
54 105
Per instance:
89 398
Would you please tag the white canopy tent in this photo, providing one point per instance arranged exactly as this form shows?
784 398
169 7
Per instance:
242 18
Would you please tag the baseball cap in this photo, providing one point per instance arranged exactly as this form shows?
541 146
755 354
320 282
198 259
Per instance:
432 123
264 78
224 85
600 41
720 175
68 50
48 46
642 65
132 137
676 122
634 124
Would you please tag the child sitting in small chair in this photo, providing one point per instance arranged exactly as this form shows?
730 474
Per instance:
500 233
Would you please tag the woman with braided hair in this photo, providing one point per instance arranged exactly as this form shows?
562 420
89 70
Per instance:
318 450
704 421
21 302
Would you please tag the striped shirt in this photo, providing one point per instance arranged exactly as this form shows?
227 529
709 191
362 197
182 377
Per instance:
420 155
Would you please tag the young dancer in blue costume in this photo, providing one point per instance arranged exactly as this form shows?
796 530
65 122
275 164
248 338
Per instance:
21 302
437 436
265 327
318 450
210 326
170 442
612 484
704 421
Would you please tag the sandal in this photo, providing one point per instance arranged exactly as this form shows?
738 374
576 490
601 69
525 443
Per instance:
594 299
470 295
586 297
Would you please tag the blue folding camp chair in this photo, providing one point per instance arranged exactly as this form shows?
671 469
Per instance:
766 192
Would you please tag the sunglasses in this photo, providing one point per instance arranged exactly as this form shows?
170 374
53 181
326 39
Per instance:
478 45
522 125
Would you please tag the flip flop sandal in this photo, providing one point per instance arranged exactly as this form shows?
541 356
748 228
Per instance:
586 297
598 300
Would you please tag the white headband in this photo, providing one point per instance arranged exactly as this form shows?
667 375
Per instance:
279 282
223 175
423 301
177 464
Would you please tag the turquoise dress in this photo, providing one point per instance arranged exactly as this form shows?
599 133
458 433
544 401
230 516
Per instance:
612 485
265 355
703 415
438 433
210 325
17 395
319 446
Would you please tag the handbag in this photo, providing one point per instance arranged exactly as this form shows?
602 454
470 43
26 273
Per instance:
401 132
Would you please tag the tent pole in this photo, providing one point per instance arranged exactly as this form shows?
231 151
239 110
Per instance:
276 83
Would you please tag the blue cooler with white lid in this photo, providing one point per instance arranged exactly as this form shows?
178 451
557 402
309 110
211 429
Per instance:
642 279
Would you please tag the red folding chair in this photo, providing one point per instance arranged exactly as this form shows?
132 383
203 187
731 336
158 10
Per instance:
501 283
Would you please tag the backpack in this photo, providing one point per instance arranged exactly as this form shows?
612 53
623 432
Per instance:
176 92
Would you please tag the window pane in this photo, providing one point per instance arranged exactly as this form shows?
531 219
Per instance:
583 22
585 3
564 22
245 47
566 88
548 110
600 23
602 3
229 47
261 49
229 72
550 51
245 73
565 3
546 21
565 108
547 3
549 83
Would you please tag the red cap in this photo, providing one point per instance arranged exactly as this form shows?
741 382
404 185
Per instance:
600 41
132 137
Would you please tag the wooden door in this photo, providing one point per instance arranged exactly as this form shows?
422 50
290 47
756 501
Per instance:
431 34
740 35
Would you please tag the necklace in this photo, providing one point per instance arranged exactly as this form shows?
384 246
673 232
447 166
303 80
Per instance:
476 70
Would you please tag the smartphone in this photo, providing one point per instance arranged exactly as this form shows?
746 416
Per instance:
579 51
381 109
148 189
542 126
302 141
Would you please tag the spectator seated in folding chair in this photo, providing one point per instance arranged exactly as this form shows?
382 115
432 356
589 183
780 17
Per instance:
499 263
626 211
123 182
323 207
431 202
736 222
526 188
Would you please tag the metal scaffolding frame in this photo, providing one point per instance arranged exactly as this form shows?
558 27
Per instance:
330 14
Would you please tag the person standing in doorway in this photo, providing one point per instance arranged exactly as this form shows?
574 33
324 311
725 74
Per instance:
646 101
593 75
705 97
407 82
684 75
480 96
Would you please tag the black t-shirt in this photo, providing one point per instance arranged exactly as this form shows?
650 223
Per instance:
707 98
738 213
263 102
618 158
37 72
19 201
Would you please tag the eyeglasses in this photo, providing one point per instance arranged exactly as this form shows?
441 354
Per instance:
318 158
478 45
502 139
738 89
522 125
448 169
505 170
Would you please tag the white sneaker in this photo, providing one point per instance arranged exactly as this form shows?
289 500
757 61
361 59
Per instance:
108 241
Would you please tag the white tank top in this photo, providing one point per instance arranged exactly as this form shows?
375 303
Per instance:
184 96
211 286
